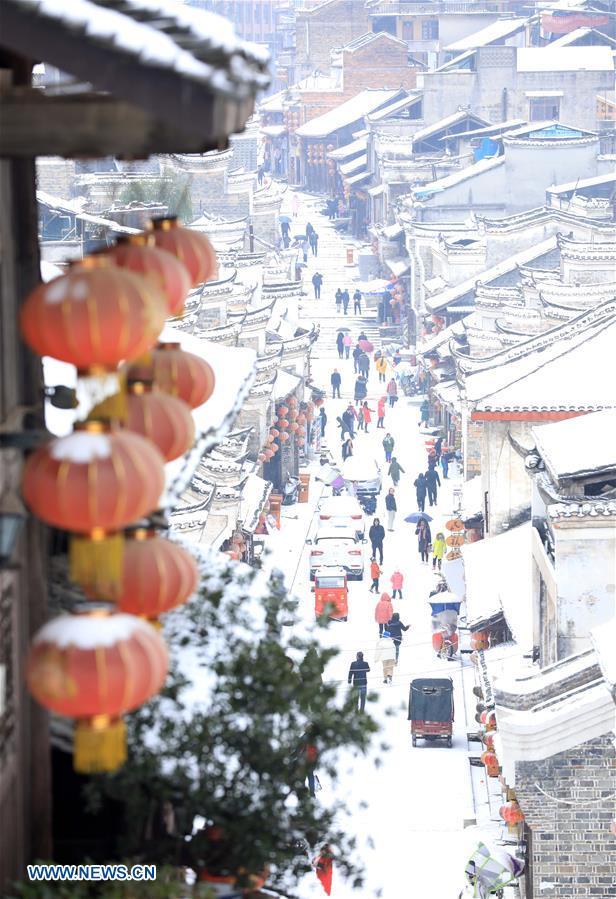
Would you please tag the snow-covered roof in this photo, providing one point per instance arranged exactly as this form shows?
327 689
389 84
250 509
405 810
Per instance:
347 113
273 103
565 59
358 178
348 168
356 146
498 577
285 384
452 64
445 297
495 31
393 108
560 370
583 31
579 446
398 266
165 57
255 494
73 207
464 174
273 130
443 124
581 183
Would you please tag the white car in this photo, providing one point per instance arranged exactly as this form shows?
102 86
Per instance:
337 547
342 511
363 471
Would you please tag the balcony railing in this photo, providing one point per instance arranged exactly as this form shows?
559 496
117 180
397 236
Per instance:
408 7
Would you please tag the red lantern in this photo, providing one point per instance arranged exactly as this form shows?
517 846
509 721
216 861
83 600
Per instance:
261 457
268 453
269 439
157 575
94 483
233 554
95 316
283 424
294 426
301 419
488 741
282 411
292 402
139 254
318 402
95 667
511 813
480 639
274 448
191 248
163 419
284 437
490 761
274 432
293 415
177 372
488 719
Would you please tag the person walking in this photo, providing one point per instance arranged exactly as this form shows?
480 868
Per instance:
383 612
338 300
363 364
438 443
445 457
317 281
388 446
395 470
336 381
385 652
303 245
347 341
433 482
309 231
395 627
424 538
357 302
392 508
376 535
361 424
421 488
375 573
347 449
285 229
346 299
438 551
381 367
367 413
323 418
380 412
356 355
340 344
397 581
349 417
358 677
424 410
314 242
392 392
361 390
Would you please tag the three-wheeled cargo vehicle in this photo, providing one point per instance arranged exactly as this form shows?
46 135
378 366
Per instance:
331 593
431 709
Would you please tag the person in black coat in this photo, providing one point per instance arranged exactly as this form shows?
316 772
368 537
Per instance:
346 299
377 535
356 354
358 677
357 302
424 538
347 449
392 508
317 281
395 627
432 481
437 448
361 390
336 381
348 417
421 488
323 417
340 344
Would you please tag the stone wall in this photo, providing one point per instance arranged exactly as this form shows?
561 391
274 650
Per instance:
572 849
56 176
504 476
333 24
472 458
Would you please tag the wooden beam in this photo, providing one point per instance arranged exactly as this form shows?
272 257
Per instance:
95 125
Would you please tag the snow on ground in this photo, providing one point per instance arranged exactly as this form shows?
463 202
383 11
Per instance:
408 805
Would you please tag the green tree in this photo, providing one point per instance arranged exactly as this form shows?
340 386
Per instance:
225 750
171 191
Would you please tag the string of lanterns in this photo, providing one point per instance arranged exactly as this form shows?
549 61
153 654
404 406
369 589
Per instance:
102 483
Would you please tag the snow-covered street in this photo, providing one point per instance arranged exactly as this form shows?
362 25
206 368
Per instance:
409 805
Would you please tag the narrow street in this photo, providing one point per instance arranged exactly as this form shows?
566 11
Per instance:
408 805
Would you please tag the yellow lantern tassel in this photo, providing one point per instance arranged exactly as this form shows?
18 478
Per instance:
95 563
100 745
114 406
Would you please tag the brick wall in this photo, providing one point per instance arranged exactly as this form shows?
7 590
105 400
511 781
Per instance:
382 64
334 25
571 847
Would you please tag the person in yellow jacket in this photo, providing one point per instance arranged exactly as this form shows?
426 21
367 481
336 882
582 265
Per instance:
381 367
438 550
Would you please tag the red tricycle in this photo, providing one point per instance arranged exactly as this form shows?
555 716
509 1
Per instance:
331 593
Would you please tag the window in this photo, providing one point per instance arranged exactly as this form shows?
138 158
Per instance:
543 109
429 30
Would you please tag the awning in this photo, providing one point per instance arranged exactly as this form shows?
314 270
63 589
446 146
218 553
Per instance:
255 494
398 266
348 150
347 168
447 392
273 130
285 384
357 179
376 191
498 577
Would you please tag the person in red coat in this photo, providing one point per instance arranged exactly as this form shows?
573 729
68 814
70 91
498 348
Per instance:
380 411
383 611
367 415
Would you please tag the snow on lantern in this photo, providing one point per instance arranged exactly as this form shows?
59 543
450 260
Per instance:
293 427
490 762
139 254
511 813
178 373
283 424
293 415
282 411
94 483
284 437
274 432
191 248
95 667
261 457
94 317
161 418
480 640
